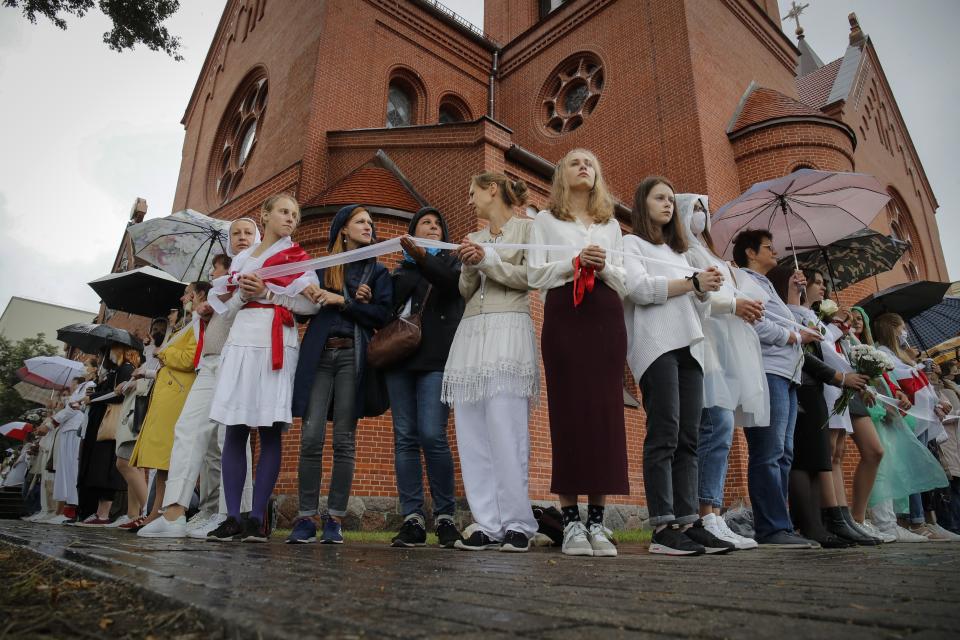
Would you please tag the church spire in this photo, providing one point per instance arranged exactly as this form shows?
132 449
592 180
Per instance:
809 61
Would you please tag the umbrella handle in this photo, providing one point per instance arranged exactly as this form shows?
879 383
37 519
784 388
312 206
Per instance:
784 207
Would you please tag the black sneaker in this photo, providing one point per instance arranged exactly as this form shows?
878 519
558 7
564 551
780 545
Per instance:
254 531
710 543
228 531
515 542
447 533
478 541
671 541
412 533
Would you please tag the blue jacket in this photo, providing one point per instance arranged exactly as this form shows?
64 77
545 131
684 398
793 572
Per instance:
366 318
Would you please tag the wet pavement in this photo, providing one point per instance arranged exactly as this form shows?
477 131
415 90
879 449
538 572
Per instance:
365 590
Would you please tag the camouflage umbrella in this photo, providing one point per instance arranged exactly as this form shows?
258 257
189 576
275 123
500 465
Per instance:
849 260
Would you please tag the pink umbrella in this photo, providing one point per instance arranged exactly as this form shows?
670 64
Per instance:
804 209
16 430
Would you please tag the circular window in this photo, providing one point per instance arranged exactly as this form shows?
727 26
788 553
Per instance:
571 93
237 137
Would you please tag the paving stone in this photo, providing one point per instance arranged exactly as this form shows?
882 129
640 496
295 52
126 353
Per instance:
362 591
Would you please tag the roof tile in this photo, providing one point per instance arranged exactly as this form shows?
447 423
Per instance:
766 104
814 88
371 186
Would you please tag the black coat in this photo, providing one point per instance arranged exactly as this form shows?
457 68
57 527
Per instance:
444 308
366 318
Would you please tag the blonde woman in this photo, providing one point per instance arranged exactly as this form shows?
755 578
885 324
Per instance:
254 385
584 345
491 373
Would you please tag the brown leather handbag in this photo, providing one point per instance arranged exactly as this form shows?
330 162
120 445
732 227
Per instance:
398 339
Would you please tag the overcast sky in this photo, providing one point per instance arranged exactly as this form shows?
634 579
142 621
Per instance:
85 130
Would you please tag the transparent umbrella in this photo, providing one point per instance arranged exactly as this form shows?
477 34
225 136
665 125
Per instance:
182 244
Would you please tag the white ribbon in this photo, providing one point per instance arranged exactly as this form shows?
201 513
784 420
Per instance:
393 245
891 402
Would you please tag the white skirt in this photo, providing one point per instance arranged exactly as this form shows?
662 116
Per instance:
491 354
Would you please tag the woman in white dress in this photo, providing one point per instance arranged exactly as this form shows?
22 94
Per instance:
734 384
72 419
255 383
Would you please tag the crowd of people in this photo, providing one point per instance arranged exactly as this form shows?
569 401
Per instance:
712 344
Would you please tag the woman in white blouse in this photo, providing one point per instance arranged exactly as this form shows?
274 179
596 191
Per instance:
584 347
665 300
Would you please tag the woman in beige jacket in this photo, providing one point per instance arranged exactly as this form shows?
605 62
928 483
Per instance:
491 373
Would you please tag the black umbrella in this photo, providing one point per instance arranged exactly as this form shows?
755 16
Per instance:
145 291
849 260
906 299
91 338
937 324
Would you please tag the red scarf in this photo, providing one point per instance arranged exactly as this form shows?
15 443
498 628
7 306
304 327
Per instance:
282 317
197 354
583 281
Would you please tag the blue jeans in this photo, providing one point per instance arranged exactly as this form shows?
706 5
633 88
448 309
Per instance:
713 450
420 422
770 454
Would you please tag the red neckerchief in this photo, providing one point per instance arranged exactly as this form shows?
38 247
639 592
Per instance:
196 355
282 317
584 278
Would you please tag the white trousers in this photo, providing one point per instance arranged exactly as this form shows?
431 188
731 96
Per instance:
884 516
494 445
197 446
47 503
68 462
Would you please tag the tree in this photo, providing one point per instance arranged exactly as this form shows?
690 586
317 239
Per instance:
12 355
134 21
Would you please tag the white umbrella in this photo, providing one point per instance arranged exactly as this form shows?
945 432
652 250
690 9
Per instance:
56 369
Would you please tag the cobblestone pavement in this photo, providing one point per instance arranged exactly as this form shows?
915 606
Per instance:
364 590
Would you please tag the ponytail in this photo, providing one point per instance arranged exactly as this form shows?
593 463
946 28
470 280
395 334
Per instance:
513 192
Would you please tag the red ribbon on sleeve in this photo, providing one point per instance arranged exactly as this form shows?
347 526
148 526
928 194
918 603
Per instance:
584 278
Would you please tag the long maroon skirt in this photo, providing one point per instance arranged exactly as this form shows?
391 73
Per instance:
584 350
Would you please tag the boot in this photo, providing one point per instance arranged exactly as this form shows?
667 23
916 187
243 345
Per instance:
834 523
829 541
848 518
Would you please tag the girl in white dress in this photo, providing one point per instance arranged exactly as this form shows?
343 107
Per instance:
255 383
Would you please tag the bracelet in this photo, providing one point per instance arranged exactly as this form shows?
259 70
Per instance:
696 283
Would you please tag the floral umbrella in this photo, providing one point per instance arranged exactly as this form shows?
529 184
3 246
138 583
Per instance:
182 244
849 260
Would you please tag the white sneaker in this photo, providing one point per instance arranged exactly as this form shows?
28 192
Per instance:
599 537
162 528
199 519
575 540
718 527
124 519
55 519
934 533
200 532
876 532
39 516
905 535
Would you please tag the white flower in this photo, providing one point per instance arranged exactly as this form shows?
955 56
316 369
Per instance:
828 307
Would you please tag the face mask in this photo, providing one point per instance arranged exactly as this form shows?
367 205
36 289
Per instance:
903 338
188 306
157 338
698 222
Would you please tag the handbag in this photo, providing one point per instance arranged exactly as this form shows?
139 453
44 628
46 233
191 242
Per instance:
140 404
110 422
398 339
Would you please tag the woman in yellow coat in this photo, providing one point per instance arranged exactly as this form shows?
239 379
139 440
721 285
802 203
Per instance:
170 390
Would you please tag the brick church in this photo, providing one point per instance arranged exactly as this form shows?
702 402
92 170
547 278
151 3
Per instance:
395 104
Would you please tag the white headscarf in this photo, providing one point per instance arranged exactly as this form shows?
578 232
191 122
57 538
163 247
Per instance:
698 254
256 239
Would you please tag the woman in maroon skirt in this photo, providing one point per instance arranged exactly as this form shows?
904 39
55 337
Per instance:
584 345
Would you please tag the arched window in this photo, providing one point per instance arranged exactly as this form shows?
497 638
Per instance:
400 105
453 109
902 228
237 136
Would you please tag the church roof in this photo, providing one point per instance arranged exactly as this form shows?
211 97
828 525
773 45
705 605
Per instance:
377 183
808 61
760 104
814 88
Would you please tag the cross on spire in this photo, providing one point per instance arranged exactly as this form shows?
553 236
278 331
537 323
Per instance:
794 13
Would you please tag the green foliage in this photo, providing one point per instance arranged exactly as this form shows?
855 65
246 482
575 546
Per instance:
134 21
12 355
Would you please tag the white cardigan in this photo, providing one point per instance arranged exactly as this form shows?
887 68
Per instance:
655 323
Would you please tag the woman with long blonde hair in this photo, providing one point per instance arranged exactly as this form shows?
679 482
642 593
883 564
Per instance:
584 345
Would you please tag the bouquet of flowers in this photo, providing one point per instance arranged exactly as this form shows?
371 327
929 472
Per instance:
867 361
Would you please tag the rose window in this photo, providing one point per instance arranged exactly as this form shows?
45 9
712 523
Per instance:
572 93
